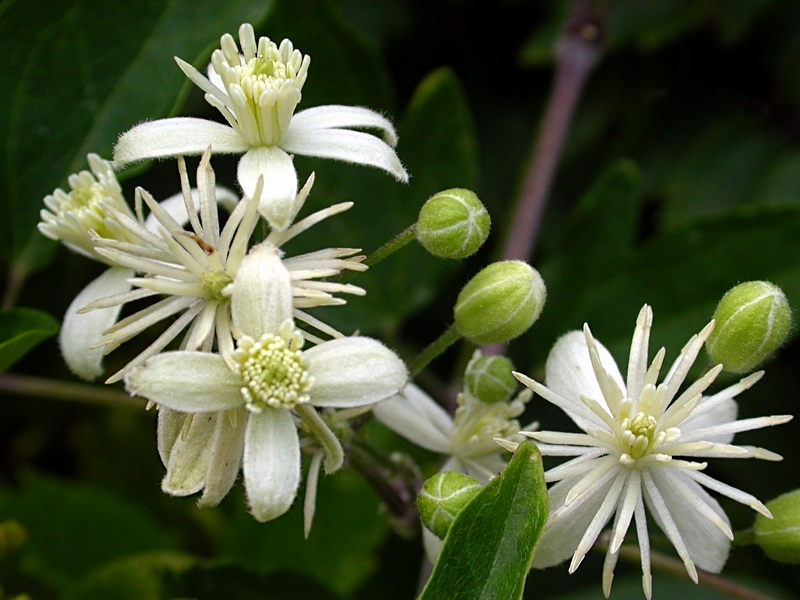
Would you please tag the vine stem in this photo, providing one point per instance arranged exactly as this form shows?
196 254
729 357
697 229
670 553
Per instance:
444 341
674 567
577 51
55 389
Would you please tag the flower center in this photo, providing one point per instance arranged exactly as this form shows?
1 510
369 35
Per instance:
261 74
273 370
213 283
637 434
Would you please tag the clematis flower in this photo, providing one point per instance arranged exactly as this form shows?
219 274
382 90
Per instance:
193 269
272 381
257 92
78 219
629 456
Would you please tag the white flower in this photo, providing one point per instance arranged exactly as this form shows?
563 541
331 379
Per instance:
79 218
269 380
628 457
257 92
194 269
467 439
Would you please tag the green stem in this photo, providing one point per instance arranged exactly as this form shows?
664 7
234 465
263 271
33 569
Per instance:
54 389
402 239
14 282
674 567
746 537
447 339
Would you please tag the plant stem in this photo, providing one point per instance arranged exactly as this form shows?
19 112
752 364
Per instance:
447 339
577 51
402 239
54 389
14 282
674 567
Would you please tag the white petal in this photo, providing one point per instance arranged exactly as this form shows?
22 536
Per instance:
560 538
725 412
337 116
173 137
280 183
176 207
261 294
344 144
353 372
417 420
433 545
271 463
225 459
187 381
170 423
569 372
705 542
80 332
188 459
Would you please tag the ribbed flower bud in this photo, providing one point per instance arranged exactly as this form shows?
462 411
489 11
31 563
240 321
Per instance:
500 303
490 379
779 537
453 224
753 320
443 497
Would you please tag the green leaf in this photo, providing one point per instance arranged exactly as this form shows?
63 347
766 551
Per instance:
21 330
73 527
80 73
489 548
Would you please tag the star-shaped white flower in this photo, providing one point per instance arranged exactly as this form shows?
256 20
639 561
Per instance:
629 456
270 380
81 217
193 269
257 92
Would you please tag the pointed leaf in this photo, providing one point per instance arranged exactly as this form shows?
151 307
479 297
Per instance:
22 329
489 548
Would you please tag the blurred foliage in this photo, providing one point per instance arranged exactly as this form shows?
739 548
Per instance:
680 178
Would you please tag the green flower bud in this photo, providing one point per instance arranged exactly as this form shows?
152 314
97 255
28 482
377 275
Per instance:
489 379
500 303
453 224
779 537
753 320
443 497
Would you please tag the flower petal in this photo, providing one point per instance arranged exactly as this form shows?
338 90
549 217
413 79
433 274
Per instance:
337 116
280 183
560 538
170 423
343 144
227 445
80 332
569 372
725 412
176 207
353 372
261 294
705 542
173 137
187 381
271 463
416 417
188 459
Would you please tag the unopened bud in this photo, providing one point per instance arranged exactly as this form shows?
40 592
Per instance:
453 224
753 320
500 303
443 497
490 379
779 537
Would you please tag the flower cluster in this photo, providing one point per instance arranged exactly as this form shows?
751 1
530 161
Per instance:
252 365
639 449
